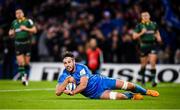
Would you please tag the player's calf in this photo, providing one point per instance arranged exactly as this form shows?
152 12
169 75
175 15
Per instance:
133 87
121 96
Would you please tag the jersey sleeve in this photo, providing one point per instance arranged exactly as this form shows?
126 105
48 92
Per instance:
62 77
137 28
12 25
85 72
156 26
31 23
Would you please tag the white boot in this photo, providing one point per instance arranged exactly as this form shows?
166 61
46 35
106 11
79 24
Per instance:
24 80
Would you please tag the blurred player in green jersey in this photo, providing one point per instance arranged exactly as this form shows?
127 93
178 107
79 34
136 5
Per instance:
146 32
21 29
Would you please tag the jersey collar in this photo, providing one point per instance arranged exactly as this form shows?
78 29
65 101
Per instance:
143 22
20 20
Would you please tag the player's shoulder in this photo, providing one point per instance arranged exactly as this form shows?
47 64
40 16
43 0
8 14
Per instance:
30 21
138 25
153 22
14 21
82 69
80 66
63 72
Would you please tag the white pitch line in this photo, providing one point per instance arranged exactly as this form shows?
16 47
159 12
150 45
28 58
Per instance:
175 85
51 89
21 90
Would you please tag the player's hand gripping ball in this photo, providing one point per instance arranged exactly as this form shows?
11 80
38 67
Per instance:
71 86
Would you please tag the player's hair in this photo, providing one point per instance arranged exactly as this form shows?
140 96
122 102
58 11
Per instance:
67 54
145 11
18 8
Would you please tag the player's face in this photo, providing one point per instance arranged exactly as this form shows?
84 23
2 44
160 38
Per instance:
69 64
145 16
19 14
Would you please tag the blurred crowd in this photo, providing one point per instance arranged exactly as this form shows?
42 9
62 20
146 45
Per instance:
69 24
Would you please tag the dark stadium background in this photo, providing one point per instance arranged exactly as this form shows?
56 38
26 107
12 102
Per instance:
66 24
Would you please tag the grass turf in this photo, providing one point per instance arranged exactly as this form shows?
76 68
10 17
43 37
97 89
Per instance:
41 95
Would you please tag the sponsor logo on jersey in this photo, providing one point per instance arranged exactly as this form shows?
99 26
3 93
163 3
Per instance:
149 32
18 30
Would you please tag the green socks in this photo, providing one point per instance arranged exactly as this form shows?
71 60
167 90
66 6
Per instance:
142 73
21 70
153 73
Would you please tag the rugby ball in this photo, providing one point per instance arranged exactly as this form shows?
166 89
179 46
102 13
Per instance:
71 86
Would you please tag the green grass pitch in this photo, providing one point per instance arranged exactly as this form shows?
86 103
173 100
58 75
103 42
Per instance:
41 95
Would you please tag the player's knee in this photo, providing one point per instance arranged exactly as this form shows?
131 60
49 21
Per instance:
153 64
131 86
143 65
21 63
27 62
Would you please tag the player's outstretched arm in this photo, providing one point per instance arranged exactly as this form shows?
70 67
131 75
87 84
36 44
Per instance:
81 86
61 87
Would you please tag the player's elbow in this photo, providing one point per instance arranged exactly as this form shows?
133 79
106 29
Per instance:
83 86
134 37
34 30
58 93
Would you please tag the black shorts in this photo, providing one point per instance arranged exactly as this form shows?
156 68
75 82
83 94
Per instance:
145 51
23 48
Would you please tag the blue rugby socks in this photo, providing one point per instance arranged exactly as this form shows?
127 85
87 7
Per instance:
129 95
139 89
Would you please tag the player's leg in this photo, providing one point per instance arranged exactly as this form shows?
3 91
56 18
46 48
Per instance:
27 68
115 84
135 88
144 61
153 60
27 52
27 56
110 95
21 63
21 67
27 63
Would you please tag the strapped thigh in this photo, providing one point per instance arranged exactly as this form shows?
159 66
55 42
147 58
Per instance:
125 85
